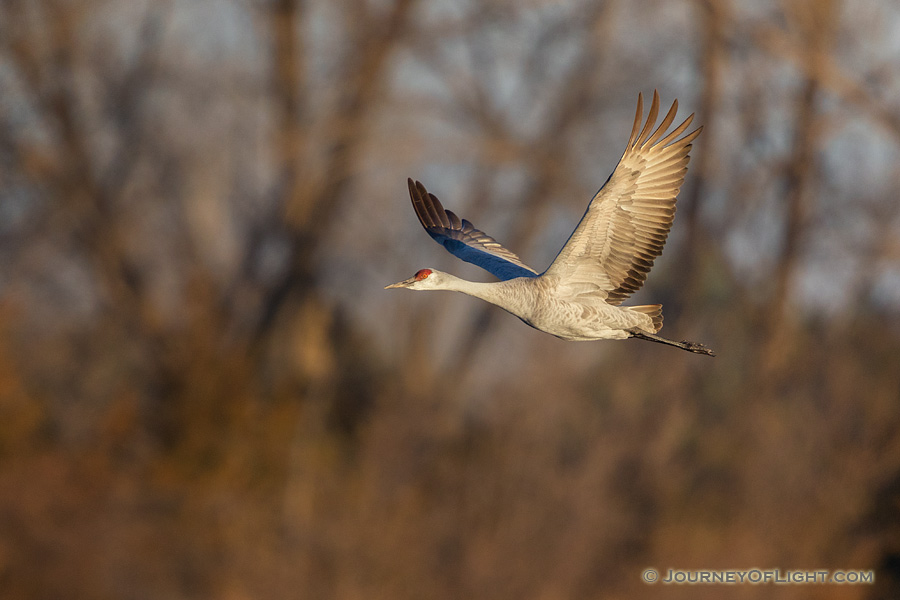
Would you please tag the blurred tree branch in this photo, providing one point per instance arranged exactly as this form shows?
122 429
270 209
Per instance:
89 192
310 202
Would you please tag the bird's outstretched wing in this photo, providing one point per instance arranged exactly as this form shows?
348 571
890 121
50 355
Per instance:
461 239
626 224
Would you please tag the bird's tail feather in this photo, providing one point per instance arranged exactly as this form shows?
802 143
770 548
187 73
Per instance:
654 311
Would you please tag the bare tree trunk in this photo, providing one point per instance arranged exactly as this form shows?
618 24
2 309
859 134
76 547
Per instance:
310 205
816 22
716 15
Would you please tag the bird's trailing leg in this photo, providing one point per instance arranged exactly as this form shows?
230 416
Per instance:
689 346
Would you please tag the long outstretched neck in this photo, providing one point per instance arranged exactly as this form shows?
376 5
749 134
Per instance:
495 293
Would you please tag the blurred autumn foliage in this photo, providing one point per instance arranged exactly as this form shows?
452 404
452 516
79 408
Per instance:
206 393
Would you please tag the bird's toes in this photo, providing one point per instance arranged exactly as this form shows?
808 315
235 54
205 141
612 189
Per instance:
698 348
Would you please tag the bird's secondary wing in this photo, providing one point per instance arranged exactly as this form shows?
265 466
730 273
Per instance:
626 223
462 239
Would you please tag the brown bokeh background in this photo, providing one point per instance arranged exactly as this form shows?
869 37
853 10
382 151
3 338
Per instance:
206 393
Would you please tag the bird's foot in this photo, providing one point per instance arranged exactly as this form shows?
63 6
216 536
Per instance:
697 348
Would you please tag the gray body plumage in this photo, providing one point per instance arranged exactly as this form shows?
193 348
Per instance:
536 301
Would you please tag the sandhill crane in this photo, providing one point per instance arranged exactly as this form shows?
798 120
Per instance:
606 258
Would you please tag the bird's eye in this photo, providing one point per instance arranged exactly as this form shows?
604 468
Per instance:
423 274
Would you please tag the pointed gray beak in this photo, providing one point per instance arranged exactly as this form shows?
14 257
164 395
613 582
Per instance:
401 284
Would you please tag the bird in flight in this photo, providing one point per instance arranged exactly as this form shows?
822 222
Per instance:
605 260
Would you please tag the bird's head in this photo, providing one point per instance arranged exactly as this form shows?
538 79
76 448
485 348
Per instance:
424 279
